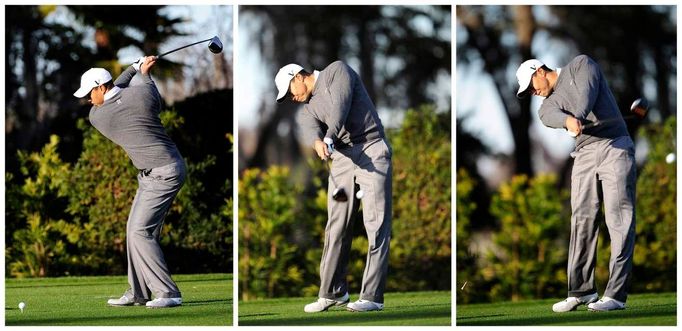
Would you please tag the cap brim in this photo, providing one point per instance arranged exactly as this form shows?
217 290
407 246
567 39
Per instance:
523 91
281 93
82 91
523 94
280 99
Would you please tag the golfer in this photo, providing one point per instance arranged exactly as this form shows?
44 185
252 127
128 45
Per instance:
340 122
129 116
603 173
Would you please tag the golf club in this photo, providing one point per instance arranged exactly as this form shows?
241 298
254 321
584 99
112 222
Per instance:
638 110
214 45
338 194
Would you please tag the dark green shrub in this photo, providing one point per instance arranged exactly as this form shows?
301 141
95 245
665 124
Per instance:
526 260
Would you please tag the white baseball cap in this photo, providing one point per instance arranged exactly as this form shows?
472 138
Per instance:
524 74
283 78
92 78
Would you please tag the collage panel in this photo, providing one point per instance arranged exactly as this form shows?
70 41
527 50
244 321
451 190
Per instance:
566 171
344 126
118 165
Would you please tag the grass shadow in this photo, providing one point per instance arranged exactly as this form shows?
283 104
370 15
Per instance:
569 318
127 319
348 318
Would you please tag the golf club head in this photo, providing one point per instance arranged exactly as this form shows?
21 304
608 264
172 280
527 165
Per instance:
339 194
640 107
215 45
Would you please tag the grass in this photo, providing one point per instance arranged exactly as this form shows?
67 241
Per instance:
207 300
410 308
641 309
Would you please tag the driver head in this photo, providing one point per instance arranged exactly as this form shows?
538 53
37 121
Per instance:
339 194
215 45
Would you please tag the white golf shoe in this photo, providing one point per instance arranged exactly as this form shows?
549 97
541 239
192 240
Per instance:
571 303
365 305
164 302
606 304
322 304
121 302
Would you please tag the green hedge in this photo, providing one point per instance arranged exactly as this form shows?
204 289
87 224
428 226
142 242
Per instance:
70 219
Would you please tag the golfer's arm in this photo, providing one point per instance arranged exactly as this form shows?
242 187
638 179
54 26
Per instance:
310 129
552 116
126 76
341 92
587 79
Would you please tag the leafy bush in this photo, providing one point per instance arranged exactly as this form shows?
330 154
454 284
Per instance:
36 213
68 219
420 257
467 261
655 258
526 260
268 211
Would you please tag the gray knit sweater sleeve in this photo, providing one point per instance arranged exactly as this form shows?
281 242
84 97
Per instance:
310 128
131 120
581 91
341 93
340 108
126 76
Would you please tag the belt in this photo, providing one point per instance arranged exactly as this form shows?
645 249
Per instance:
370 136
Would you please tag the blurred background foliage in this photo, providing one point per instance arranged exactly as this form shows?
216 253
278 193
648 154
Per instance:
68 188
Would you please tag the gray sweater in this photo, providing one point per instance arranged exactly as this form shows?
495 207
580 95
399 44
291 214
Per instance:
131 120
340 108
581 90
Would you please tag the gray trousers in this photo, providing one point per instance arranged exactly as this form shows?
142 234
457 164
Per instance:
603 172
369 167
147 270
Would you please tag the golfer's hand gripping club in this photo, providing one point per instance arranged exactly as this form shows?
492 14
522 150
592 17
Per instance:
330 145
638 110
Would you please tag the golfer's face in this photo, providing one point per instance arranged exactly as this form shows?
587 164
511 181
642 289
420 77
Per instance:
97 95
539 84
298 91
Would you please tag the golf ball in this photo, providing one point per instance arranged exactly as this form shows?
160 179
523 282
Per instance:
359 194
22 305
670 158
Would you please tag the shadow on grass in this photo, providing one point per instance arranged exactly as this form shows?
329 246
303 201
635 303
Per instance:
143 319
33 285
206 302
564 319
349 318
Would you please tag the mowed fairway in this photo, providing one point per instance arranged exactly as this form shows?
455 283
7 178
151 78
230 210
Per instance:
207 300
410 308
641 309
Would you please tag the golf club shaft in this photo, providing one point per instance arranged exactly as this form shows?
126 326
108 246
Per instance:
605 121
329 168
183 47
